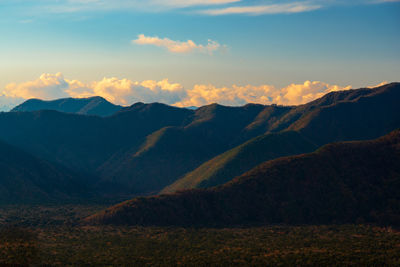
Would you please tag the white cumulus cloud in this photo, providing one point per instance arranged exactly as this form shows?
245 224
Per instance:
177 46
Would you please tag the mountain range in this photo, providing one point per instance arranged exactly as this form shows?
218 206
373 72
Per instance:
87 106
346 182
146 149
338 116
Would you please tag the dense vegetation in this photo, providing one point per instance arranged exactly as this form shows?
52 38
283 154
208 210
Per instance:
52 236
347 245
340 183
87 106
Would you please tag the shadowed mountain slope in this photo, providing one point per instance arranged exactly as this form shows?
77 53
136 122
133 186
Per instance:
86 106
240 159
83 143
27 179
340 183
172 151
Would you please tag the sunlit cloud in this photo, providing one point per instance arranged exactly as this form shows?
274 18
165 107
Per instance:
126 92
177 46
294 94
264 9
379 84
48 86
118 91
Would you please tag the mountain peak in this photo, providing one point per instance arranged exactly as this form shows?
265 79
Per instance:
95 105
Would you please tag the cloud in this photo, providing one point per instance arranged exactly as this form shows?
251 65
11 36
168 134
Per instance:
294 94
289 8
48 86
175 3
249 7
126 92
378 85
177 46
186 3
119 91
385 1
71 6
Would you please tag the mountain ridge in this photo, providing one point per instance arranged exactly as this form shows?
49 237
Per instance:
144 148
354 181
96 105
338 116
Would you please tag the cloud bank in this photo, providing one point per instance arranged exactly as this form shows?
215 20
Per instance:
126 92
177 46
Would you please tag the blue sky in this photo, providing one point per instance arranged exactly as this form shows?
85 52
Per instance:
219 43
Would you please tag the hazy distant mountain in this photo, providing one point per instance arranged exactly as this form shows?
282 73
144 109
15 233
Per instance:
346 182
86 106
27 179
192 107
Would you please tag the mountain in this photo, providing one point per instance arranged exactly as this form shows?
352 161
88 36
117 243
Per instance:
348 182
83 143
144 148
172 151
27 179
338 116
240 159
87 106
346 115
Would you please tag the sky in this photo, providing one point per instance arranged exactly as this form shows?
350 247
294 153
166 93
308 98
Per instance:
195 52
